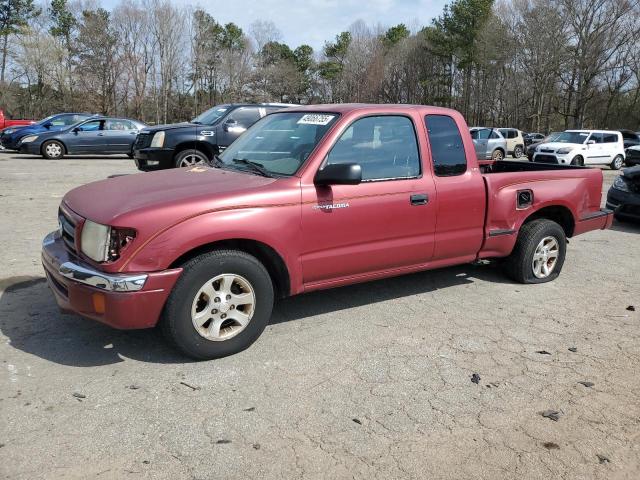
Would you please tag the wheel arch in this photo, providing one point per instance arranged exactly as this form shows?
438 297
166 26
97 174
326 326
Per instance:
558 213
206 148
267 255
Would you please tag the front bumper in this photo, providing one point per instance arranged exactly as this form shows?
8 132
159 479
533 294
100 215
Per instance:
624 204
123 301
30 148
148 159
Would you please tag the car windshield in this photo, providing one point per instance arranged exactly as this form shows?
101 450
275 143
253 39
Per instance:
279 143
552 137
210 116
572 137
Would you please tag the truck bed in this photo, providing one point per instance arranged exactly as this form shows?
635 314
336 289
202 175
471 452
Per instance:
577 210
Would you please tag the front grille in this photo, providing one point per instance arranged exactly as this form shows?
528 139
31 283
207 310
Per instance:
547 150
67 230
143 140
546 158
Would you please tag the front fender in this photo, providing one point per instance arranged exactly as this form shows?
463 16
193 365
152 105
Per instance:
276 226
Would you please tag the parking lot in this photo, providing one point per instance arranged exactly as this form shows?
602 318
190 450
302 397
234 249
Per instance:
368 381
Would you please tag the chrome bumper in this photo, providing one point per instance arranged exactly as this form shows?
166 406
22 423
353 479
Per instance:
89 276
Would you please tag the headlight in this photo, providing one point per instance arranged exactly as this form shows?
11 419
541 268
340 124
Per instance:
564 151
9 131
30 138
94 241
103 243
620 184
158 140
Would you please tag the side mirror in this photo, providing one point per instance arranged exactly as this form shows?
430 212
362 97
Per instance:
591 142
229 124
76 130
339 174
47 125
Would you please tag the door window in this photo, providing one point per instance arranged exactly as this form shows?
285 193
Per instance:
91 126
117 124
481 134
494 135
447 149
610 138
596 137
384 146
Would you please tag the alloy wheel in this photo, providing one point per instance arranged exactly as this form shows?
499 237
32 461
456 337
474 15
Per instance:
545 257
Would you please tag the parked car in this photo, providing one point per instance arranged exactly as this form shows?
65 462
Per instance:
532 146
308 198
624 195
515 142
99 136
6 122
186 144
630 138
489 144
583 147
632 156
10 137
530 138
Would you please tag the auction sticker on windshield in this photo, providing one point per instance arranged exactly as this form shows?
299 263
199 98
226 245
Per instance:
315 119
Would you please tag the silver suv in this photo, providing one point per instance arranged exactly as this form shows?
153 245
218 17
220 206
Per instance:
489 143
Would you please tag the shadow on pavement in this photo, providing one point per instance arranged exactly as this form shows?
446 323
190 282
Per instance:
628 226
30 319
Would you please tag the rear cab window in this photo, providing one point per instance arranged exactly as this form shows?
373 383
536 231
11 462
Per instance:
447 150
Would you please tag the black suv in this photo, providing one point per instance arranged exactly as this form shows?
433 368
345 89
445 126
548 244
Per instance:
185 144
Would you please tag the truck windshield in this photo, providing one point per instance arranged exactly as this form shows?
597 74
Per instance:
210 116
572 137
279 143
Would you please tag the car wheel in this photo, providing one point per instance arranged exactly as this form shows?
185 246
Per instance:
219 306
497 155
518 152
617 163
52 150
578 161
189 158
539 252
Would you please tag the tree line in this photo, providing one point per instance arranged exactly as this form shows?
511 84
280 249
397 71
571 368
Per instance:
538 65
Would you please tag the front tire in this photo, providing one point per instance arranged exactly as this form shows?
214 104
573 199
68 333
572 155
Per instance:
578 161
219 306
617 163
539 253
190 158
52 150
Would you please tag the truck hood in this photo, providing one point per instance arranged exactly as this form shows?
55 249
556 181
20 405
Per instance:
162 197
170 126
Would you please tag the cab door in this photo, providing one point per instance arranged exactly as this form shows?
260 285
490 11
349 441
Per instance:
119 135
384 223
86 138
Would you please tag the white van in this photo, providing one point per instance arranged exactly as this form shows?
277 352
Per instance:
583 147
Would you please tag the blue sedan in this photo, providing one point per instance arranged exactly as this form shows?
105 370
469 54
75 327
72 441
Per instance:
10 137
97 135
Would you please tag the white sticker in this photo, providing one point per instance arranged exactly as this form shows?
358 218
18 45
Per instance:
315 119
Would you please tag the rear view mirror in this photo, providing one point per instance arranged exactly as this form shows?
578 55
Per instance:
339 174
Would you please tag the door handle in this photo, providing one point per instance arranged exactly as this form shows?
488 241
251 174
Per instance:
101 134
419 199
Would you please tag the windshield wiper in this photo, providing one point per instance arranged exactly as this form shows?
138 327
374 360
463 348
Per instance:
253 166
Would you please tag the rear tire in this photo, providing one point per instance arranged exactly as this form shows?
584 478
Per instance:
497 155
52 150
207 326
540 242
190 158
617 163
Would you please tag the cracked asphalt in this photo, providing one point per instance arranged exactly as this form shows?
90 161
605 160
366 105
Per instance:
372 381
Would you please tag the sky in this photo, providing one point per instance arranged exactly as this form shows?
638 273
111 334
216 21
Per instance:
315 21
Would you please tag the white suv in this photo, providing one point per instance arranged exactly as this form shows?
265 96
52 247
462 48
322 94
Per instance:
583 147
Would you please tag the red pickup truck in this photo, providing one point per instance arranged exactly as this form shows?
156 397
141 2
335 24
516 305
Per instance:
6 123
308 198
